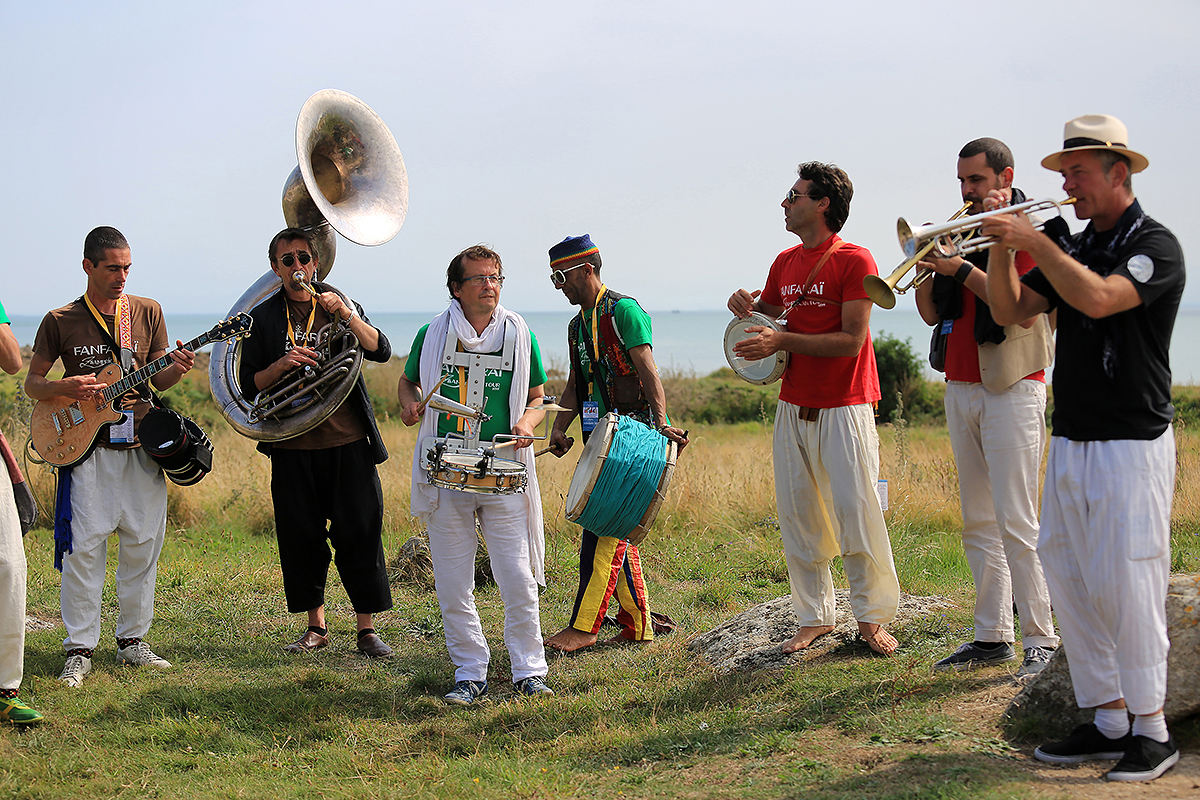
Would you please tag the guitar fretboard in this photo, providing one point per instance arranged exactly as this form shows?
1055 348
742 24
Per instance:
140 376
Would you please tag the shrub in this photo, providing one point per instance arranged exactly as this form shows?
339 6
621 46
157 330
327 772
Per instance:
901 371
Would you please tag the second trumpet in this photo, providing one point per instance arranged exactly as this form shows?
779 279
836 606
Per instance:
949 238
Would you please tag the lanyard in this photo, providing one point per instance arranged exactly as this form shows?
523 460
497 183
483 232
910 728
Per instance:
595 343
287 309
123 322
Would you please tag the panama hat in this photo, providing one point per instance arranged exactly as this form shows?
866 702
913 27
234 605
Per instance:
1096 132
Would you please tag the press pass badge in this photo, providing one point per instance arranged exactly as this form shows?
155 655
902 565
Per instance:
122 432
591 416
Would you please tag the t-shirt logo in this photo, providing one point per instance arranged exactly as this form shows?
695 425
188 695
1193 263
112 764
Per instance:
1141 267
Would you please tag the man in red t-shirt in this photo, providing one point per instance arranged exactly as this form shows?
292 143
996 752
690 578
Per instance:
996 414
826 449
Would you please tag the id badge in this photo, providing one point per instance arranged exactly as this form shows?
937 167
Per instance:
947 326
122 432
591 416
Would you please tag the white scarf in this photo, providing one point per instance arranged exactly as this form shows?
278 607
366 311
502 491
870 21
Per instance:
424 494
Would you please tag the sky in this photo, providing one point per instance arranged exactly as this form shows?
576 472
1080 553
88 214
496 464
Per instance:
670 131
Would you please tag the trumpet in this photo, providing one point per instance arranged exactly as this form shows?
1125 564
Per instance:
951 238
883 291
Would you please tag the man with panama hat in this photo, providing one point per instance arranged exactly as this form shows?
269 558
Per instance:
1106 504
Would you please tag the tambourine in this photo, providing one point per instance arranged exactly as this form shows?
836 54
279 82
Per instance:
764 370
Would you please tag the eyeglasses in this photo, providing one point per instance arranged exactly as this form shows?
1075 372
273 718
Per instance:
290 259
559 276
793 196
480 280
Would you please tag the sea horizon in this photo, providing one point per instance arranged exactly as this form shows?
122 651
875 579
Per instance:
685 342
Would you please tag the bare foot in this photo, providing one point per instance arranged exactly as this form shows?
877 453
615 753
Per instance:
807 635
877 638
568 640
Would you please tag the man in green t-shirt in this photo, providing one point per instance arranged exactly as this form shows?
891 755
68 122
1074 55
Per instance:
481 355
612 369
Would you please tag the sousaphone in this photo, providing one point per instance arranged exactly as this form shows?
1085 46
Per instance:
351 180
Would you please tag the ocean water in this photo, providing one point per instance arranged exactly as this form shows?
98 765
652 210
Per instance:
685 342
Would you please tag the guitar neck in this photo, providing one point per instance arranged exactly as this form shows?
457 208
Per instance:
140 376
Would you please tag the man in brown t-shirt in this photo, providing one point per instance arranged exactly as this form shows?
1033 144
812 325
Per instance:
328 474
118 487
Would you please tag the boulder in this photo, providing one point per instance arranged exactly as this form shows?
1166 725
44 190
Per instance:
754 639
1046 705
413 563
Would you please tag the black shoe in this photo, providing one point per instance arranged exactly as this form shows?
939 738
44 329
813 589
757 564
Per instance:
971 654
1144 760
1086 743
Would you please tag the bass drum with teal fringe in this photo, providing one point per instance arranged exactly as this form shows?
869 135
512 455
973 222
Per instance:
621 479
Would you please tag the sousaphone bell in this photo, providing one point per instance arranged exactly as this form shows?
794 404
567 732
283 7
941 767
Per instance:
351 180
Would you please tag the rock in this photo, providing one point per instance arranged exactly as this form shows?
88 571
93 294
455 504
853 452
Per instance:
37 624
1047 703
754 639
413 564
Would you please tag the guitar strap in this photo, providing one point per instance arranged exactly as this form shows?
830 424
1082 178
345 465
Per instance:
124 329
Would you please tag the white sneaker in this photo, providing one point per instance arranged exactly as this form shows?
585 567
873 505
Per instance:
139 654
76 667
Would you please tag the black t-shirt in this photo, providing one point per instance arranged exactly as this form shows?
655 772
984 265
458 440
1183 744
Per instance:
1112 376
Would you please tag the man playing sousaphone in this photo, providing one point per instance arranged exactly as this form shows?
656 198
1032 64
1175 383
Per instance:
327 474
612 369
826 449
483 356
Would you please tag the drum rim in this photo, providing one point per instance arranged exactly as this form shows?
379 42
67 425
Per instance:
611 421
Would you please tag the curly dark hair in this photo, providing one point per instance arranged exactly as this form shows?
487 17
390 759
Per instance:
829 180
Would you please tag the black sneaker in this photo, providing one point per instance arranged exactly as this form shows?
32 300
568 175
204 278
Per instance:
1144 760
970 654
1086 743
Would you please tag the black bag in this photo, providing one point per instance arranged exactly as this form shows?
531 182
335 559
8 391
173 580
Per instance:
937 344
177 444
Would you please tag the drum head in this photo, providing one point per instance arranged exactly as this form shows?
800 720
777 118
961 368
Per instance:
591 461
762 371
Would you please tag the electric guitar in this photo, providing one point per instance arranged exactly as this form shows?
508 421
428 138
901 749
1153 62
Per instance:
64 430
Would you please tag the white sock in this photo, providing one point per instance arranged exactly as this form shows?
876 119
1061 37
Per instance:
1113 722
1153 726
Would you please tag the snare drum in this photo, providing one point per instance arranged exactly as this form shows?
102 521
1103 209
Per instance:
764 370
476 473
621 479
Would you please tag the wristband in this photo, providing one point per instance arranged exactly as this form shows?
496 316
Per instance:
964 272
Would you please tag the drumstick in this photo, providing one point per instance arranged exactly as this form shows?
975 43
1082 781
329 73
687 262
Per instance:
429 396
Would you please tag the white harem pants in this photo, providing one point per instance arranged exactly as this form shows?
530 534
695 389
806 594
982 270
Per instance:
452 543
12 589
825 491
121 491
998 440
1106 548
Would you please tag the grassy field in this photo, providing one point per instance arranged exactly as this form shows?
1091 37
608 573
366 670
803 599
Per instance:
237 717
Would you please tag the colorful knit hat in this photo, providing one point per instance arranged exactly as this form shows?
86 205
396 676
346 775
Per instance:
571 248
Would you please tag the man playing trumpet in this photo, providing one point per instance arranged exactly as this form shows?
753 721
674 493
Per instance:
995 411
1106 505
328 474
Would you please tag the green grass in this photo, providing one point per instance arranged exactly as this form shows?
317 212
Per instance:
238 717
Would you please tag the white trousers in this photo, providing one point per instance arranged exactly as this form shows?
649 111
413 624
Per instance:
122 492
12 589
452 543
825 477
1106 547
998 440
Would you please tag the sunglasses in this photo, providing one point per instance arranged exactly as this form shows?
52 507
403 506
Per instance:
559 276
289 260
793 196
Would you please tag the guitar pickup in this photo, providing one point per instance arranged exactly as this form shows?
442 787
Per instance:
76 414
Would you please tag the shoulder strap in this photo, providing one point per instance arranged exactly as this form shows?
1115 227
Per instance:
812 277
